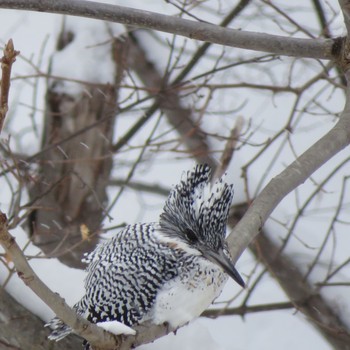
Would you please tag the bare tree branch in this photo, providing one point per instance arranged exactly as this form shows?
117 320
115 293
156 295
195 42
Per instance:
7 60
91 332
169 102
312 48
244 310
302 295
293 176
231 144
140 186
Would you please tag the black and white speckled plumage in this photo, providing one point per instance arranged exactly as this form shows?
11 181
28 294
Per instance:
163 272
196 206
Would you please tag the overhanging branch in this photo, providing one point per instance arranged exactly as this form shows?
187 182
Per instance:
300 170
280 45
289 179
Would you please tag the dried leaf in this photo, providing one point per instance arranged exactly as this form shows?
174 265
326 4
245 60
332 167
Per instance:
85 232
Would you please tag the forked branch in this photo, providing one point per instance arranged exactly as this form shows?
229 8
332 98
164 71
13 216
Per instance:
301 169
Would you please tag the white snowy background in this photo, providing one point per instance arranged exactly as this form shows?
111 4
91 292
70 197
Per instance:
34 35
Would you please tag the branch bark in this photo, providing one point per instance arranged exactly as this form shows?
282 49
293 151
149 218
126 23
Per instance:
301 169
70 191
311 48
169 101
244 309
91 332
289 179
302 294
7 60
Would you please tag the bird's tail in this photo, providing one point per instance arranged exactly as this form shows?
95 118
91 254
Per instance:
59 328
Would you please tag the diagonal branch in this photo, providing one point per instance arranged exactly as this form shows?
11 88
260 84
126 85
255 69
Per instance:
289 179
300 170
89 331
95 335
310 302
311 48
244 309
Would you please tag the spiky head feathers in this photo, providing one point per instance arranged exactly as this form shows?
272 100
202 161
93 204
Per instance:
196 210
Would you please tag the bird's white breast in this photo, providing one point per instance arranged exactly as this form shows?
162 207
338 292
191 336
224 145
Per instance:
188 295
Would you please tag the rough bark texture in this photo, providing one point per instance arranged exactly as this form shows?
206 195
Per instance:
71 189
69 194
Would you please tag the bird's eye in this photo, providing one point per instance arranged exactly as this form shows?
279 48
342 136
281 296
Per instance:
191 236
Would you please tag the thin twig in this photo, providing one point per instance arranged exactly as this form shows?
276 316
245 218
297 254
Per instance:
289 179
243 310
7 60
229 148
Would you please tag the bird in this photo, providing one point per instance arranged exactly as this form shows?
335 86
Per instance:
166 272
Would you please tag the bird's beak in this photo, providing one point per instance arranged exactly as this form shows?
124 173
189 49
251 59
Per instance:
225 263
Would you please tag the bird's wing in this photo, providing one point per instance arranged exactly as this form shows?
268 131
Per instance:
125 274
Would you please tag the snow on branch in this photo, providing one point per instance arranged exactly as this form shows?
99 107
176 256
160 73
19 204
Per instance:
280 45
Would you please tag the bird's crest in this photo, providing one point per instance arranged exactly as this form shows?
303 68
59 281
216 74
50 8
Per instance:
197 210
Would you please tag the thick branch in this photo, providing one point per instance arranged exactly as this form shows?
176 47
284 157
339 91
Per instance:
169 102
297 172
301 293
289 179
312 48
89 331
